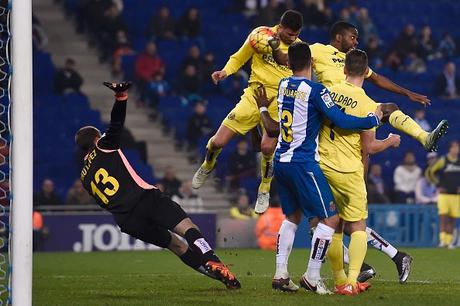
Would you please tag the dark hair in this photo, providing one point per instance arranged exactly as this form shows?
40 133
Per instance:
85 136
299 56
292 20
339 27
453 142
356 62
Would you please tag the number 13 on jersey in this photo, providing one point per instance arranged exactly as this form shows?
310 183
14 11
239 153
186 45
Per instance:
286 125
110 185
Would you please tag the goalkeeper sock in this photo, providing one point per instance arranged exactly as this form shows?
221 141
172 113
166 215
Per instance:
376 241
284 246
358 249
193 260
266 172
211 156
319 244
406 124
198 244
336 258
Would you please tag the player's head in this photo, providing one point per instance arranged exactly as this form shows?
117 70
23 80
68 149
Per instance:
299 56
344 36
454 148
86 137
356 63
290 26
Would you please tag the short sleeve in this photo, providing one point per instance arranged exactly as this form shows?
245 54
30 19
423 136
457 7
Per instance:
370 72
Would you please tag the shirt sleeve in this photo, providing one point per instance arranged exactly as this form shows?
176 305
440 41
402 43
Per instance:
431 171
369 73
111 138
239 58
326 106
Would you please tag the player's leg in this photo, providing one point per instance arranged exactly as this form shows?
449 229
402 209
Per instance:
407 125
454 201
267 147
402 260
443 210
281 280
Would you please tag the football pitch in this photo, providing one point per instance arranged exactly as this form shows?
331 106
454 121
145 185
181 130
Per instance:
160 278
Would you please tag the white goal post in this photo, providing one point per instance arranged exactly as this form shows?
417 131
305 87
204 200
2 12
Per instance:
21 161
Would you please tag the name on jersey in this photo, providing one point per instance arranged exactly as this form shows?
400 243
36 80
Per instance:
292 93
344 100
452 168
89 159
269 59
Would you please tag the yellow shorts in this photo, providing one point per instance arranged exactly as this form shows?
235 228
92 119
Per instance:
349 190
245 115
449 204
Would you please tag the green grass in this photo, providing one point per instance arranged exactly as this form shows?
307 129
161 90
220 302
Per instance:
159 278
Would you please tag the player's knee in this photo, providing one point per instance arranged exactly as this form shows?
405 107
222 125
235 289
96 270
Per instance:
388 109
217 143
177 246
267 147
295 217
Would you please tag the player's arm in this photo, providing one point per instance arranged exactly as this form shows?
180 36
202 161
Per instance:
431 171
326 105
236 61
371 145
280 57
385 83
271 126
111 138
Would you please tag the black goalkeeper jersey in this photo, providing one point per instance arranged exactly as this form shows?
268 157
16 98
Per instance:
107 174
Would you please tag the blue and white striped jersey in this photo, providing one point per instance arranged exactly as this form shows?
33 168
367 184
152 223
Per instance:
302 106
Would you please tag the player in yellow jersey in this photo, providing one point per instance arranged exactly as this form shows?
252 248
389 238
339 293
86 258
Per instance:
328 65
246 116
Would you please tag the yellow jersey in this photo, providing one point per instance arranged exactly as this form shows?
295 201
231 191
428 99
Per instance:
328 63
341 149
264 68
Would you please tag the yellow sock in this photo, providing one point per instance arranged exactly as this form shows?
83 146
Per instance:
357 252
407 125
211 157
442 238
266 172
335 256
448 238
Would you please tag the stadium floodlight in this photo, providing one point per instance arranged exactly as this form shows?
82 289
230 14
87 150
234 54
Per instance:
21 159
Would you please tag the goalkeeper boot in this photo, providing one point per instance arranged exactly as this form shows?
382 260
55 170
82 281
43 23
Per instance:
431 144
200 177
403 263
317 287
220 271
284 284
367 272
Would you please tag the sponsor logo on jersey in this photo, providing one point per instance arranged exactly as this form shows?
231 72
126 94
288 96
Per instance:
231 116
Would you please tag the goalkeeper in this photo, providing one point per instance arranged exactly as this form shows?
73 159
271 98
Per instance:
140 209
245 116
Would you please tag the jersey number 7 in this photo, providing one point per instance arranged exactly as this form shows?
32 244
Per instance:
102 176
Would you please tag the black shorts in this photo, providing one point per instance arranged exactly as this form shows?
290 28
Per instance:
151 219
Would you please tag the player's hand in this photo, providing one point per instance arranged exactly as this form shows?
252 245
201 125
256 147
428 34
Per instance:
378 112
274 42
394 139
218 76
419 98
118 87
261 97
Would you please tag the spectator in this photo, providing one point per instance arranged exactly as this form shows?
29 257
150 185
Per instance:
419 117
406 43
170 182
191 83
405 177
233 86
67 79
242 211
154 90
190 24
40 39
376 191
313 12
47 196
426 192
112 22
374 52
269 15
199 125
122 47
162 25
393 60
208 67
415 64
268 225
241 164
428 44
366 27
40 231
188 198
77 195
147 65
447 46
448 83
193 58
